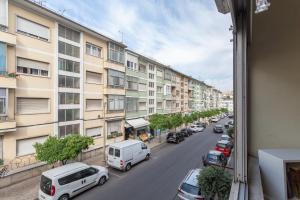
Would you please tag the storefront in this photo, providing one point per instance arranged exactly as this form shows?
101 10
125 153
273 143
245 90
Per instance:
137 129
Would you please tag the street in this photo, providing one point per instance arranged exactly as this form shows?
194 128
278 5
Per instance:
158 178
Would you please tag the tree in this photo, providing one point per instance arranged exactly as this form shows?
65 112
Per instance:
230 132
214 181
187 119
176 120
62 149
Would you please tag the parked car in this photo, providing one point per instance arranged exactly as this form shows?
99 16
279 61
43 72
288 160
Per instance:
123 155
224 147
218 128
214 119
214 158
230 115
203 124
194 128
63 183
231 122
175 137
189 188
227 138
186 132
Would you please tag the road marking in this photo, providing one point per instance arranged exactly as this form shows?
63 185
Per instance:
110 173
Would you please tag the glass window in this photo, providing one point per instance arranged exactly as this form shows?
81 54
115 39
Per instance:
115 78
68 33
115 103
116 53
93 50
68 65
33 67
111 151
68 49
3 100
2 57
117 153
46 184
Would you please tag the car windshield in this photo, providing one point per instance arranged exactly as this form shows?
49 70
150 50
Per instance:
224 138
190 189
46 185
212 157
218 126
221 145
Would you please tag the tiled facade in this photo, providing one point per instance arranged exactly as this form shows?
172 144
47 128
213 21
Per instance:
58 77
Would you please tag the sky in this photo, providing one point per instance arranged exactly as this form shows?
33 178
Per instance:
189 35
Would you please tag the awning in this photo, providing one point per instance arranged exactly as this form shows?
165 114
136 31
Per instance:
137 123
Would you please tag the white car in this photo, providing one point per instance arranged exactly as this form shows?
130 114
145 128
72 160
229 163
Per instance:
214 119
189 188
123 155
225 137
196 128
63 183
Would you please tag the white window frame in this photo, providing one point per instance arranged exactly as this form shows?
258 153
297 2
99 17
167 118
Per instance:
34 68
32 113
6 10
5 102
91 50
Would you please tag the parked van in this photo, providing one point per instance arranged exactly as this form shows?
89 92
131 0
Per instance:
62 183
123 155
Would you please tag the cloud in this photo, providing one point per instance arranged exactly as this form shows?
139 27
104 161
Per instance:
189 35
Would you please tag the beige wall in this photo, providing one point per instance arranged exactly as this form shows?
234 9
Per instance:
274 78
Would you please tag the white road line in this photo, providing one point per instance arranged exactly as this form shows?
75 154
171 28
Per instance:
114 175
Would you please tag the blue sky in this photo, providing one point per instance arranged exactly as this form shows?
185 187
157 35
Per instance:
189 35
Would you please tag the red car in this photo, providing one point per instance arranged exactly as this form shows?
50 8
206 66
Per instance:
224 147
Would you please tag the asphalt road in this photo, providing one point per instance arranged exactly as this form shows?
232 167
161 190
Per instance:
159 177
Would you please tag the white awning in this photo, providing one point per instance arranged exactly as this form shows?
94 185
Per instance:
137 123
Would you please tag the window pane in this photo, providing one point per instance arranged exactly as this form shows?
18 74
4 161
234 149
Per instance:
61 115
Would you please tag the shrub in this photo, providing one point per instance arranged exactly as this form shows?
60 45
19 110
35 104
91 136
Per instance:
230 132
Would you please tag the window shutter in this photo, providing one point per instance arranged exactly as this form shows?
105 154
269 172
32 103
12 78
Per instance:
25 146
27 26
32 105
93 104
22 62
92 132
92 77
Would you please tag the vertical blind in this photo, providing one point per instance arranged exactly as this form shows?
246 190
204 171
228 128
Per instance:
25 146
32 28
32 105
3 12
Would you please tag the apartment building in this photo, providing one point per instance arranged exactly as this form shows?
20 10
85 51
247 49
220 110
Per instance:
57 78
227 101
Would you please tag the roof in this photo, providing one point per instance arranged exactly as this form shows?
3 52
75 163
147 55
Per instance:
64 20
137 123
125 143
191 178
223 142
58 171
215 152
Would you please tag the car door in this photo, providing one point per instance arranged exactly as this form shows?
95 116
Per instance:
89 177
73 183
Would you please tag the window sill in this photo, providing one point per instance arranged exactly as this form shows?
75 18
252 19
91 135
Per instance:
94 83
20 114
33 37
38 76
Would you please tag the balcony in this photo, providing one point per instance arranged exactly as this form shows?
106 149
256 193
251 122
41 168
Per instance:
8 80
7 125
8 38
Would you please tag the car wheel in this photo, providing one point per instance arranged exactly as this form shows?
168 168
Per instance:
147 157
128 167
102 180
64 197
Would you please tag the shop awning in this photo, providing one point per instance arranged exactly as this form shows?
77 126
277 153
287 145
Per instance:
137 123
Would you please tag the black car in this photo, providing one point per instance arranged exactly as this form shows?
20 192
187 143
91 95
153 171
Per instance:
175 137
218 128
186 132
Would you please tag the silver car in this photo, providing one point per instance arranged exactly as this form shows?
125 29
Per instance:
189 188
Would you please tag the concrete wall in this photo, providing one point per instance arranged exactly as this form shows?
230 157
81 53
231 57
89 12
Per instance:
274 78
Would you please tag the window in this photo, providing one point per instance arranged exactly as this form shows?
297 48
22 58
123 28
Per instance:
68 82
3 13
151 110
131 65
167 75
32 105
159 73
93 77
113 127
115 103
93 50
68 65
93 104
33 29
3 101
131 104
3 51
151 101
63 131
159 89
151 84
69 98
142 87
94 132
142 68
132 83
116 53
151 67
25 146
168 104
151 93
32 67
69 34
151 76
117 153
115 78
159 105
167 89
68 49
142 106
68 115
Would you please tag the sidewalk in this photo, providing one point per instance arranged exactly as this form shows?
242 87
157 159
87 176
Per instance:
28 190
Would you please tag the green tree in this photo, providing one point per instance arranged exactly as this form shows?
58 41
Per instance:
187 119
55 149
215 181
176 120
230 132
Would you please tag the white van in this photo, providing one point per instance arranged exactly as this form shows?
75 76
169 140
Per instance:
62 183
123 155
